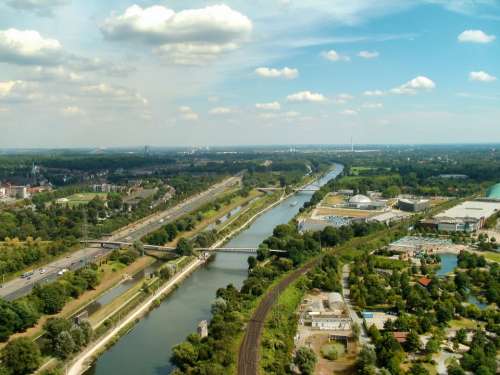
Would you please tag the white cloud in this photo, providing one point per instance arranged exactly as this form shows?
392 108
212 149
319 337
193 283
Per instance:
333 55
279 115
368 54
28 47
286 72
18 91
292 114
306 96
272 106
184 37
349 112
39 7
220 111
373 105
413 86
193 53
117 94
374 93
343 98
59 73
187 113
475 36
71 111
481 76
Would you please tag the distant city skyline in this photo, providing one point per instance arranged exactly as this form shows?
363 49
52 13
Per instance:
121 73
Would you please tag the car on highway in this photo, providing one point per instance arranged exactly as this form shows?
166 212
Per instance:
27 275
62 272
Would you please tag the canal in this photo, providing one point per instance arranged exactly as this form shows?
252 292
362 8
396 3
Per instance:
146 350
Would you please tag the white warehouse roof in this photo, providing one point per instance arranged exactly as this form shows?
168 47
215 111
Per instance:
473 209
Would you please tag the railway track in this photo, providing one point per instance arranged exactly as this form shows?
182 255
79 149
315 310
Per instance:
248 357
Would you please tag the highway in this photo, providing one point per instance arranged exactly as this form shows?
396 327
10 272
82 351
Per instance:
19 287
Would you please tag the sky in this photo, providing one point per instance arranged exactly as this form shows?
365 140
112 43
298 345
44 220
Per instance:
114 73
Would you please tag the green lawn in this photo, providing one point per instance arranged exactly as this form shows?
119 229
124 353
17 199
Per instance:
463 323
493 256
80 198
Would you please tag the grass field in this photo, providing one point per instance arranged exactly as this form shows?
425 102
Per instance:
332 199
493 256
80 198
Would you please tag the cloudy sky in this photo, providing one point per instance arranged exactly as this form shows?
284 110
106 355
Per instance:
187 72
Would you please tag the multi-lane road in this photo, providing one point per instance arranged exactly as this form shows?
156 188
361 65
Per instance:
21 286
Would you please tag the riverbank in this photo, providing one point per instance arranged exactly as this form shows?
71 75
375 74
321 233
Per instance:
178 315
79 364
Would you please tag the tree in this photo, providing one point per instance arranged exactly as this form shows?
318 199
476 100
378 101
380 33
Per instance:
263 252
432 345
418 369
455 369
356 330
252 262
53 297
184 355
184 247
461 336
366 360
412 343
64 345
54 326
139 247
305 359
21 356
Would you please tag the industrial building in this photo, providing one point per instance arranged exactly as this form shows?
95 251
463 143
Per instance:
413 205
411 246
14 191
331 322
468 216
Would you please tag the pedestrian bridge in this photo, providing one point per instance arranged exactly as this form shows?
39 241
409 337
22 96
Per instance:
118 244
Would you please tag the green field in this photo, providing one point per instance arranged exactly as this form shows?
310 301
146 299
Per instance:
493 256
80 198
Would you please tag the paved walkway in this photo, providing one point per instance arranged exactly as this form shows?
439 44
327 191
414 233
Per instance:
80 363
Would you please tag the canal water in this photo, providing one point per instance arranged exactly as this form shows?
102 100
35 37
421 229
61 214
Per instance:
146 350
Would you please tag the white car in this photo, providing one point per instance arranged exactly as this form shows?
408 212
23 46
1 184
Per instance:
62 272
42 271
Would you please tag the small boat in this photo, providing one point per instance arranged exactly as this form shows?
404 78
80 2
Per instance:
293 204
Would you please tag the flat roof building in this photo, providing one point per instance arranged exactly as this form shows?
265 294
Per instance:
413 205
411 246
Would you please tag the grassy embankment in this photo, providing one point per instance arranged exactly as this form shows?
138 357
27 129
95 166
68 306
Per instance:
277 341
110 277
212 216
